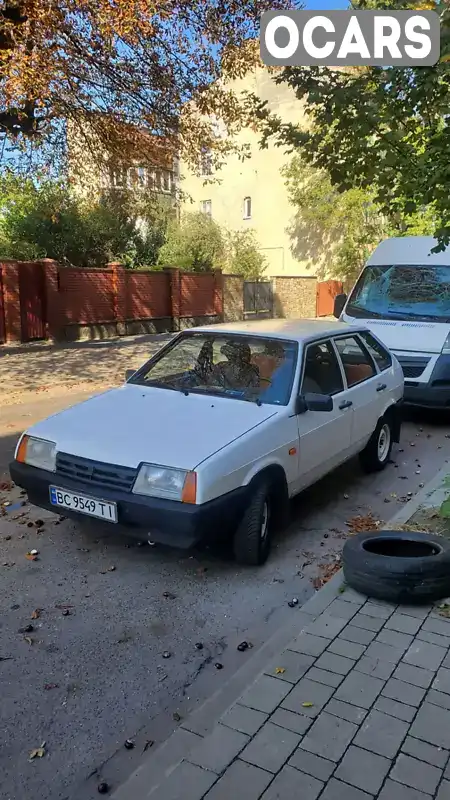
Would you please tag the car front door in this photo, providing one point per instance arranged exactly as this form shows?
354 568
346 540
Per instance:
363 388
324 436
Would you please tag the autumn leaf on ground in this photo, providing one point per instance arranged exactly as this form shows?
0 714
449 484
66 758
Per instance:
39 752
362 523
280 671
326 572
36 613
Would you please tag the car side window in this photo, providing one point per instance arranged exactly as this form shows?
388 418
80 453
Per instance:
358 365
381 356
322 374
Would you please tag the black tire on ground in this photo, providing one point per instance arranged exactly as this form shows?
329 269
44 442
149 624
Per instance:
374 457
250 547
399 566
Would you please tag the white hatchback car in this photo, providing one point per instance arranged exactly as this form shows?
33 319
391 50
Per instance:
217 431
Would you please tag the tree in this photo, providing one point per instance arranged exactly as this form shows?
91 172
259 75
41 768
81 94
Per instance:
336 231
196 243
243 255
382 130
152 66
50 221
342 228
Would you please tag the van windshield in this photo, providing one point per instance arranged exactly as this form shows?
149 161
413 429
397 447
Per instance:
402 292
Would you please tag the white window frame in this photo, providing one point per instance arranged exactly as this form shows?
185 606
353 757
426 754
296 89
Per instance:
247 208
166 181
206 167
206 207
119 177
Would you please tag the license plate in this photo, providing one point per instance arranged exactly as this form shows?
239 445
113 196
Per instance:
83 504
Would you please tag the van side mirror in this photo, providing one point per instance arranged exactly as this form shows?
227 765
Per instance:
339 303
129 374
313 402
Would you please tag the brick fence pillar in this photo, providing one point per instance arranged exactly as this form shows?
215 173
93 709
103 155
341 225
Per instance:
218 293
120 288
174 276
11 297
53 310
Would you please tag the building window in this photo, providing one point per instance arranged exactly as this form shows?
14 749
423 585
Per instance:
206 162
118 177
247 210
206 207
142 177
166 181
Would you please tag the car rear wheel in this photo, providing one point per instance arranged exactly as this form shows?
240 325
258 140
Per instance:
252 537
377 452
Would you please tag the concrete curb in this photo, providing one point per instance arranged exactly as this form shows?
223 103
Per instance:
159 764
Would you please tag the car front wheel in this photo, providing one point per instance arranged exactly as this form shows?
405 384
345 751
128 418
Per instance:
377 452
253 534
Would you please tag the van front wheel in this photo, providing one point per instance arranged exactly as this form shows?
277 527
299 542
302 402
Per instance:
252 537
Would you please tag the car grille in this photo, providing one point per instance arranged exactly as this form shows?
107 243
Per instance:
413 368
410 371
109 476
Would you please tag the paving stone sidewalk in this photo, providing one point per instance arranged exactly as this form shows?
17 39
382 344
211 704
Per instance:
356 707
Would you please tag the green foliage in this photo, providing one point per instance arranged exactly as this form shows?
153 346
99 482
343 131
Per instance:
382 130
243 255
196 243
49 221
340 229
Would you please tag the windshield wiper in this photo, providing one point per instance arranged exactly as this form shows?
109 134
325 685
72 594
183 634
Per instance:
362 312
159 384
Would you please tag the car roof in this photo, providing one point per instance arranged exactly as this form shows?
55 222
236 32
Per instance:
409 250
295 329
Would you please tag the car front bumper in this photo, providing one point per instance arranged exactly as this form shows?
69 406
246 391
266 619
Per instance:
164 521
436 392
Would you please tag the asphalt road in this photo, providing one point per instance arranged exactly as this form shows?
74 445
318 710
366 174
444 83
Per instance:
104 660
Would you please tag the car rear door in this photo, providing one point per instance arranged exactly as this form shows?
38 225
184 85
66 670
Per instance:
364 387
324 436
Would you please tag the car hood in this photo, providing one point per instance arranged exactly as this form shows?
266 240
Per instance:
132 424
404 335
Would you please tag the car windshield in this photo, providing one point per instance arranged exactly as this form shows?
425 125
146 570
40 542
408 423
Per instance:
250 368
402 292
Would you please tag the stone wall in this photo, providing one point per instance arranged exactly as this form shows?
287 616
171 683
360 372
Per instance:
295 297
233 298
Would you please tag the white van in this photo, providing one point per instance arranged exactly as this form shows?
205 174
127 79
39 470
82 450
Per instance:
403 296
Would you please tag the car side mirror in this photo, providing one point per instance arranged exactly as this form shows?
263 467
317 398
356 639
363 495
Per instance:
318 402
339 303
300 405
129 374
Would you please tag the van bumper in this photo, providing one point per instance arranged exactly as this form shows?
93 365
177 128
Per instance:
168 522
434 394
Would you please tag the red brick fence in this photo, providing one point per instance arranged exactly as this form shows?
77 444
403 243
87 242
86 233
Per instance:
43 300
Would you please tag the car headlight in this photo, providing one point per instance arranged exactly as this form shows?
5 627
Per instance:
166 482
446 347
37 453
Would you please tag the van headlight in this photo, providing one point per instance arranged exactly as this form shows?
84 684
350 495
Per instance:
166 482
446 347
36 452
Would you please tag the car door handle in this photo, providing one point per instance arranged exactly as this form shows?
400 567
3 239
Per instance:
346 404
381 387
